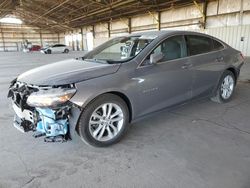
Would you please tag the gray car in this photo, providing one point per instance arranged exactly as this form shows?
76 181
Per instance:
97 96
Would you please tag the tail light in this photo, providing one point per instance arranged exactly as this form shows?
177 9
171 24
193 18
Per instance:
242 56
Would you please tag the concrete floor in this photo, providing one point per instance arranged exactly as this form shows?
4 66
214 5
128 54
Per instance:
202 144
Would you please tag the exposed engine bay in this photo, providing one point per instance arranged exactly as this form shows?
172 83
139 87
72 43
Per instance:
46 110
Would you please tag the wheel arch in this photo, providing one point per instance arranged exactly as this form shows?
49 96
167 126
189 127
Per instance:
120 94
231 69
126 100
234 71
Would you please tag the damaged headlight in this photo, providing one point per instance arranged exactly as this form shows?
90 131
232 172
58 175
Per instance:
50 97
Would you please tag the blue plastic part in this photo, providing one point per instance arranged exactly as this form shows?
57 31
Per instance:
49 125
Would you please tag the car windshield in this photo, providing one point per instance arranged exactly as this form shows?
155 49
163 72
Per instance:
119 50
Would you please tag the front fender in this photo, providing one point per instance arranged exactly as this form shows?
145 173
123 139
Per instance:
90 89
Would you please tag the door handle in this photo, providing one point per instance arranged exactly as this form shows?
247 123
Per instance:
186 66
219 59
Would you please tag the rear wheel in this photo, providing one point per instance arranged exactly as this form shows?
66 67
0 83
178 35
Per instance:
225 88
66 51
104 121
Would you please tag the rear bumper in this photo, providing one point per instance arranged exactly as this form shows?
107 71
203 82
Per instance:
238 70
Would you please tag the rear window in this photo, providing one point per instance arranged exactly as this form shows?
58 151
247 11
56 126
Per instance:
217 45
198 44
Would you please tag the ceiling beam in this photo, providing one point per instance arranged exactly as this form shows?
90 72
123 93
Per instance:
106 17
120 3
50 10
3 3
48 20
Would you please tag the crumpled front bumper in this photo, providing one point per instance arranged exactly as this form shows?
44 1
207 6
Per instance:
22 119
59 121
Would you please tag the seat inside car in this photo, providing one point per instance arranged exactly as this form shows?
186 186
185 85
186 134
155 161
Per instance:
171 50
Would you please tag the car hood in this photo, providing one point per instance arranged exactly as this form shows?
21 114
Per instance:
66 72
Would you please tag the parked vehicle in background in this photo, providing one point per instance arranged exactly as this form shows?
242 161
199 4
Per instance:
56 48
120 81
33 48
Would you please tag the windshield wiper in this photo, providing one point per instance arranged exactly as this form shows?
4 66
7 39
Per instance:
96 60
104 61
119 61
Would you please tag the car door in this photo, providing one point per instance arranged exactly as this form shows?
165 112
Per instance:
169 81
206 63
61 48
54 48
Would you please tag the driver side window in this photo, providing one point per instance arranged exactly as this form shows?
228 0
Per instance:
171 48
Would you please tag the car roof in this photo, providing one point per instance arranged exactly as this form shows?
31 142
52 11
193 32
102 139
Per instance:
151 33
165 33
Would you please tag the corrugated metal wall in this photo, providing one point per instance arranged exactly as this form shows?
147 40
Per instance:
228 20
236 36
13 36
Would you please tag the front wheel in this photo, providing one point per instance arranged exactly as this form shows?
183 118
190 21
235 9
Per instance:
66 51
104 121
225 88
49 52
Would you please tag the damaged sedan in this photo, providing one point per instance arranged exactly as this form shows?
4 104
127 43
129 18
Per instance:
97 96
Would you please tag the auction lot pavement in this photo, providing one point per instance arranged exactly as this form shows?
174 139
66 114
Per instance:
198 145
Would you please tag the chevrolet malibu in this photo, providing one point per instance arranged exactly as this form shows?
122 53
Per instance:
98 95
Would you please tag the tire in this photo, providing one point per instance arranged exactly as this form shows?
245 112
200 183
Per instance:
49 52
219 96
87 128
66 51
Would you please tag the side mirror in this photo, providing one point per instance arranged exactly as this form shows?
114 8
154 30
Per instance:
155 58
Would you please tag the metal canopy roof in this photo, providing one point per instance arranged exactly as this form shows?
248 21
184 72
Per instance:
63 15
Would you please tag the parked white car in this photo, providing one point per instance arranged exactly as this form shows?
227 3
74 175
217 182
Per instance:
56 48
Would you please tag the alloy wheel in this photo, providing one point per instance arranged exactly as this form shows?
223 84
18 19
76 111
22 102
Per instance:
227 87
106 122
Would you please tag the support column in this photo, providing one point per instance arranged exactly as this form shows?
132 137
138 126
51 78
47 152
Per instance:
129 25
241 12
159 21
82 39
41 38
3 40
203 12
109 34
127 22
73 42
93 30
